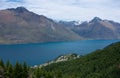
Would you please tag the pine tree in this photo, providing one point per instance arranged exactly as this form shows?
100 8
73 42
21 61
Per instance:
17 70
8 70
25 70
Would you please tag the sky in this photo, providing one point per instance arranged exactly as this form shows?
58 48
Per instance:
69 10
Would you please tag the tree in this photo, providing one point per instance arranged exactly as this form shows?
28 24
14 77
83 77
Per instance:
17 70
25 70
8 70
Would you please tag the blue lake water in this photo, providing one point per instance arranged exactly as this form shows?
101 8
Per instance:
35 54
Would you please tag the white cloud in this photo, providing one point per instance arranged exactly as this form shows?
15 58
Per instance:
70 9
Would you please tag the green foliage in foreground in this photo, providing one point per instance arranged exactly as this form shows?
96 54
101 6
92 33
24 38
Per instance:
7 70
99 64
41 73
17 71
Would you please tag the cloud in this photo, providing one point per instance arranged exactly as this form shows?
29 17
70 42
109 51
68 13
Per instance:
69 9
14 1
10 3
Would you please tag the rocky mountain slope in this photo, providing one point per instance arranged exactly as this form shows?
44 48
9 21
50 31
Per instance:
18 25
95 29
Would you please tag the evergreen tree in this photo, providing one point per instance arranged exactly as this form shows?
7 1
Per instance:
25 70
8 70
17 70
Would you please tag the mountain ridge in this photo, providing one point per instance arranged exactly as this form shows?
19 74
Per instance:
97 29
22 26
19 25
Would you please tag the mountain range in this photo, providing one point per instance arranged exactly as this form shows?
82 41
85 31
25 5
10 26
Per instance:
95 29
19 25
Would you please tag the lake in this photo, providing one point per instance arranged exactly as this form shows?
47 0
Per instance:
38 53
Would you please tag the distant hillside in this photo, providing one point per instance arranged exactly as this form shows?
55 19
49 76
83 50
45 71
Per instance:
99 64
95 29
18 25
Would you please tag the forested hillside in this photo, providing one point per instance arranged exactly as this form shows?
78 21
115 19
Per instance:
99 64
